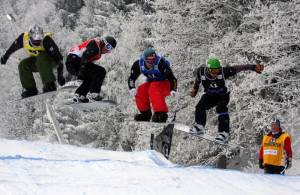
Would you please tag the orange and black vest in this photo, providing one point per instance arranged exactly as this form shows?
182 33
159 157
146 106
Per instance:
273 149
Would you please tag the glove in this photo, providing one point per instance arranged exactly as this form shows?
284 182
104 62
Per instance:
132 92
288 163
60 79
82 73
259 68
173 93
261 165
4 59
193 93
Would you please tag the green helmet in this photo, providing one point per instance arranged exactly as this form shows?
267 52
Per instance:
213 63
149 52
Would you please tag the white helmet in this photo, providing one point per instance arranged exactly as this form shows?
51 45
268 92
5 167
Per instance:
36 35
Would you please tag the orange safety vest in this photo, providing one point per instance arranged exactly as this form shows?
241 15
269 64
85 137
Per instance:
79 49
273 150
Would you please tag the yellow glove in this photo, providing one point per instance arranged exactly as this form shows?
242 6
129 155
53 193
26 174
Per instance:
259 68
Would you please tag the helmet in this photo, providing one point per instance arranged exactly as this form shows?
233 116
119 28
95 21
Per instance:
36 35
213 63
110 40
276 120
277 128
149 52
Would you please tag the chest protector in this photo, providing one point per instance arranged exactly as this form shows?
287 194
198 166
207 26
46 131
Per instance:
213 85
273 151
79 49
154 73
33 50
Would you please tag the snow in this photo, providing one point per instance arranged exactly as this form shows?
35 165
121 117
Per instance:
44 168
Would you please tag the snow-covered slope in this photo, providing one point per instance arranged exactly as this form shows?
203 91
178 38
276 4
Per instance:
43 168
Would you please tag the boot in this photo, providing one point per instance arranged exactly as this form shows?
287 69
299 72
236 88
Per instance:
160 117
197 129
95 97
222 137
29 92
143 116
80 98
50 86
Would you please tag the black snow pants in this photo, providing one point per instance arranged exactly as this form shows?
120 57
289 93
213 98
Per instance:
93 79
208 101
272 169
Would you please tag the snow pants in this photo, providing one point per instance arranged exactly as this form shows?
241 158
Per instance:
272 169
93 80
220 101
43 63
154 93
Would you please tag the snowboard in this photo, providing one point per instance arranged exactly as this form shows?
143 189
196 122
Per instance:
42 96
210 138
92 105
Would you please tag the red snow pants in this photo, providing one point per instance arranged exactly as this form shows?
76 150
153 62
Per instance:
154 92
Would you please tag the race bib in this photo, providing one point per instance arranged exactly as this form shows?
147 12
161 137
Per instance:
270 152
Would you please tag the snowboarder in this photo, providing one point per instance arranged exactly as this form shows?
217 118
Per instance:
80 62
43 56
212 77
275 154
160 83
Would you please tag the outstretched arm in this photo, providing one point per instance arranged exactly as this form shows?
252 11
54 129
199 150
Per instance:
16 45
233 70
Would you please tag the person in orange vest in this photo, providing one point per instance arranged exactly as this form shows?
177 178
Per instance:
275 154
80 62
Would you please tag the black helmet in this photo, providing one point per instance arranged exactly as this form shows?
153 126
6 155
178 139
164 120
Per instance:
36 34
112 41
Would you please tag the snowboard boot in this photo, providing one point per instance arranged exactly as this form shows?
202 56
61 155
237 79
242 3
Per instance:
80 98
197 129
160 117
222 137
50 86
95 97
143 116
29 92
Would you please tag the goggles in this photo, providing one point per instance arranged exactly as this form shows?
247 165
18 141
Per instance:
214 70
150 59
108 46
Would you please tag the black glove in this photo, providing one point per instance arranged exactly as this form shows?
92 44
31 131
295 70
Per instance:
60 76
82 73
4 59
60 79
261 165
